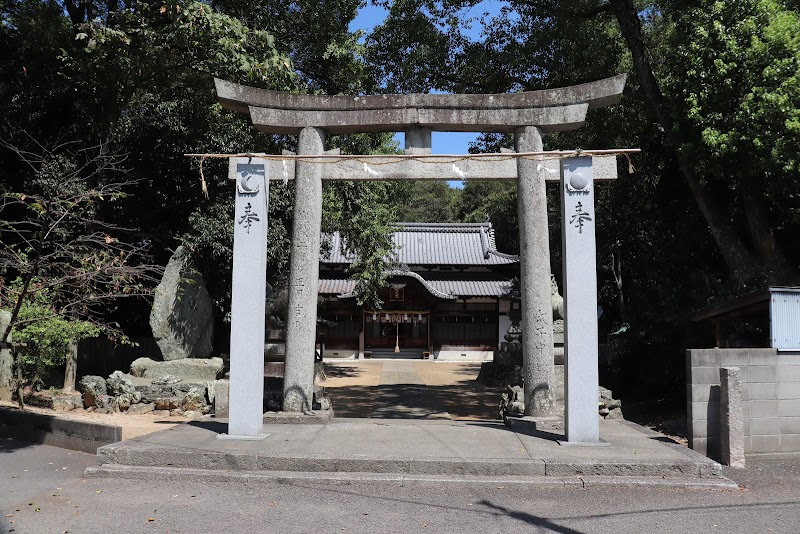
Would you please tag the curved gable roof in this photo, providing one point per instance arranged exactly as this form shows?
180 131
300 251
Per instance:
467 244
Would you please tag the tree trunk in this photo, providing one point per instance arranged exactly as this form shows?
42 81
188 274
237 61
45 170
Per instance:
616 270
20 397
741 262
777 267
6 362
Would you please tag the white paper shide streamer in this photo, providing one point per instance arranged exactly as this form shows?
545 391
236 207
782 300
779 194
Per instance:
458 172
372 172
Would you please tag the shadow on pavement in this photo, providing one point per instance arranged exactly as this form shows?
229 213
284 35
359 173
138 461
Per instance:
415 401
530 519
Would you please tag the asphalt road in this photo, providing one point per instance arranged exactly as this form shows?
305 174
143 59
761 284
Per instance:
42 491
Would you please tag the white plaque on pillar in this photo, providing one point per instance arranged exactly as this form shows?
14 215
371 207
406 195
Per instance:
246 397
581 381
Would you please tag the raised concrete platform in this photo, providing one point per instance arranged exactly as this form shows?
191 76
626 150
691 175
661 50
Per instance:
83 436
411 451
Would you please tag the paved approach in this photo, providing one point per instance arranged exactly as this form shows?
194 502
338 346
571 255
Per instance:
409 452
409 389
40 496
409 436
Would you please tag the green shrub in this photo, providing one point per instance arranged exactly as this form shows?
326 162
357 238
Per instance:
48 337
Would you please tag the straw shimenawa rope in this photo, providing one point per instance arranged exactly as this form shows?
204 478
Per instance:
370 160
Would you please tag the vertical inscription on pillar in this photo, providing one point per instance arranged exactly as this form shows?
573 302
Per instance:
534 243
580 301
248 297
298 377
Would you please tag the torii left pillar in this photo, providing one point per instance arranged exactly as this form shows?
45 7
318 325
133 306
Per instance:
301 327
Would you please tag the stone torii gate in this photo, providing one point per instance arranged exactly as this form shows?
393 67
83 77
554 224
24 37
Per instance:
527 115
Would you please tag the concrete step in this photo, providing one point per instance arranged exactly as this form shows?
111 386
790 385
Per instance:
144 456
408 354
400 479
400 449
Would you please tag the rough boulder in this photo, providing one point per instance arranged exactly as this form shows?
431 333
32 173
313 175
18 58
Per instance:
182 314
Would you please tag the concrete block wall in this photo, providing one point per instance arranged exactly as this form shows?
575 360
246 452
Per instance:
770 398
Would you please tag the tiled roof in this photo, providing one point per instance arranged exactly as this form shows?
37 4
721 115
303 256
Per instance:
447 289
335 286
438 244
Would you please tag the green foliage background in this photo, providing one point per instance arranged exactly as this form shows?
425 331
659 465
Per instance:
48 337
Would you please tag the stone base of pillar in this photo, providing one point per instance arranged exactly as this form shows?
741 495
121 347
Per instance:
599 443
552 424
294 418
259 437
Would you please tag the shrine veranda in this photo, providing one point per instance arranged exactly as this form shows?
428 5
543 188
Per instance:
527 115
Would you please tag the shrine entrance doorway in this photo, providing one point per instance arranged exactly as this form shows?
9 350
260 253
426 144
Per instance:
397 334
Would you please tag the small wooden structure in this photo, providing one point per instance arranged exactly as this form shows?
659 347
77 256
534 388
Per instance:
780 304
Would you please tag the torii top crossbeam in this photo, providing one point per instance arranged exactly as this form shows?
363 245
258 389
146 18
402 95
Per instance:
550 110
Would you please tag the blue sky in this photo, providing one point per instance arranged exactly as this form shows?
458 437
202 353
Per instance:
442 142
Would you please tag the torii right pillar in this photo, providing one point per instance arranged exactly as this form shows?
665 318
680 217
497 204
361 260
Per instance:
581 376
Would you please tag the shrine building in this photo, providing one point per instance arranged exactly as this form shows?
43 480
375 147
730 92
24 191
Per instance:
447 297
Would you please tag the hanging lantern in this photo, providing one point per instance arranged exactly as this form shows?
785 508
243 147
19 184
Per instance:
419 317
374 316
405 317
386 318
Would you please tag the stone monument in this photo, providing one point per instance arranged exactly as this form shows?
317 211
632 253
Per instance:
248 299
182 317
581 375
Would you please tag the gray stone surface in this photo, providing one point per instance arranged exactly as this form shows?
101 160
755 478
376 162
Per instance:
512 402
66 403
92 387
418 141
301 318
558 306
221 403
248 297
445 448
6 361
187 368
731 418
537 314
165 380
610 408
167 403
581 375
485 168
553 109
194 400
105 404
118 383
182 317
141 408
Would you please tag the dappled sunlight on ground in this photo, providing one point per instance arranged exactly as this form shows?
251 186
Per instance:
435 390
